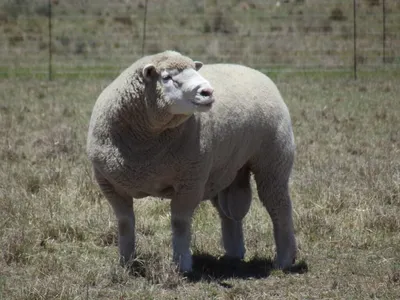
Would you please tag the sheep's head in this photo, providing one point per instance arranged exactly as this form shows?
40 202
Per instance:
183 90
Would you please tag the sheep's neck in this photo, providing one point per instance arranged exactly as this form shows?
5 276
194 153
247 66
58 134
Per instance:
150 127
144 123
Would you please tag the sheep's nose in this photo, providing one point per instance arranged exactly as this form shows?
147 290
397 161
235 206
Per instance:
206 92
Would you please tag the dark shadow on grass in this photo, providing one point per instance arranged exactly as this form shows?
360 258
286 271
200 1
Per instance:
211 268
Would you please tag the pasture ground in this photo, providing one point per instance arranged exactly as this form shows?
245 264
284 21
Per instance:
58 235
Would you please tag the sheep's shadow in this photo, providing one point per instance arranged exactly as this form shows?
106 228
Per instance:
211 268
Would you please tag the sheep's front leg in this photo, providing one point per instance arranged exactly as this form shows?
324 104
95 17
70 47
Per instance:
122 205
182 209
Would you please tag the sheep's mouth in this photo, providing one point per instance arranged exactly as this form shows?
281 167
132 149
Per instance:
204 103
203 106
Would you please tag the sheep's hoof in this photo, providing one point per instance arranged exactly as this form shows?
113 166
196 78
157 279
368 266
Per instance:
184 263
284 262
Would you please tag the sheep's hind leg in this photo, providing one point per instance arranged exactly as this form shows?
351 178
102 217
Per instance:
123 209
232 205
273 192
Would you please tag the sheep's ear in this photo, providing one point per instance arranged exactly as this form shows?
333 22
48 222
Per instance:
198 65
149 71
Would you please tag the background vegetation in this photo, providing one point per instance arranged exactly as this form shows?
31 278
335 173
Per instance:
57 232
102 36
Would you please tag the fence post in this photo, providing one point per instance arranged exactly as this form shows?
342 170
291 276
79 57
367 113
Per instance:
355 38
384 32
50 40
144 27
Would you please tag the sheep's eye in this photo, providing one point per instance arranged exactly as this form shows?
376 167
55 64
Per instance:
166 78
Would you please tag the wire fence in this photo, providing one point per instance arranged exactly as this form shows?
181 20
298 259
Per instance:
58 38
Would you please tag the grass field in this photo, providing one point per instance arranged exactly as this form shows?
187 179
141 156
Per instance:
58 235
259 33
57 232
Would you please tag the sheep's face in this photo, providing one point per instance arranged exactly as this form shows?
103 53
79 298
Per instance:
184 91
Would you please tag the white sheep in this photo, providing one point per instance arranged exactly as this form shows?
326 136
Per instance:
163 129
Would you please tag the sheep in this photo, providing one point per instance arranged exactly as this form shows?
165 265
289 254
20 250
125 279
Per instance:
171 127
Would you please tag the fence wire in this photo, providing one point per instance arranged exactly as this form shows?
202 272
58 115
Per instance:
99 37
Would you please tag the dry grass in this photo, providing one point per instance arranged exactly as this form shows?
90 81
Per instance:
57 233
58 236
100 34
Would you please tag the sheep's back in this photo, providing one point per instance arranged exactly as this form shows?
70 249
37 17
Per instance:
246 101
248 116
